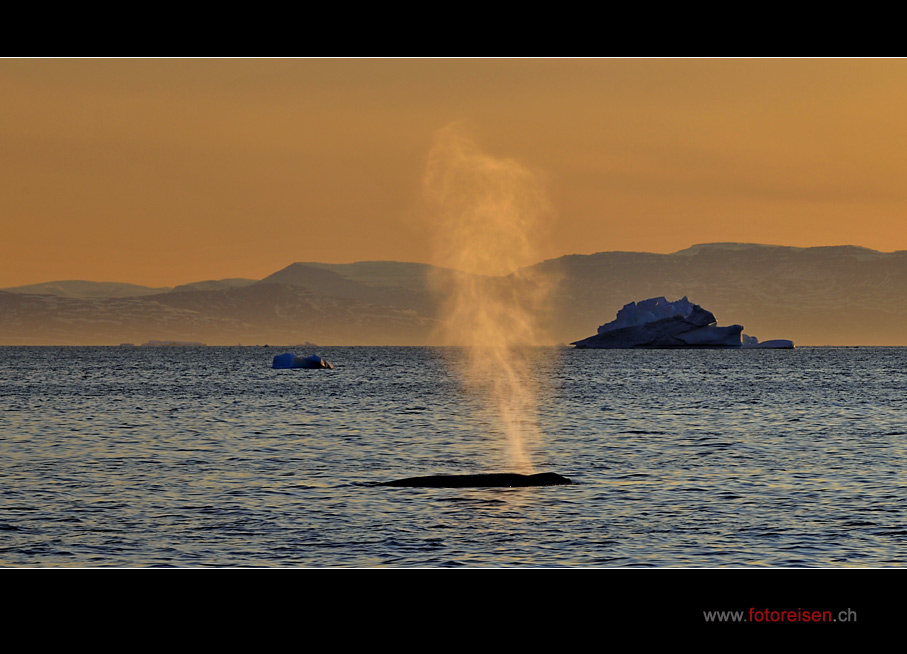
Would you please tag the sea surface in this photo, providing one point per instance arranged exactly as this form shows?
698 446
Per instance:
207 457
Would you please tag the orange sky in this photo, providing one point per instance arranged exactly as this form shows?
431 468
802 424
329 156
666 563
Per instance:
161 172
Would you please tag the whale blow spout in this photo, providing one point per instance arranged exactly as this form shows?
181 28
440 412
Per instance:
494 480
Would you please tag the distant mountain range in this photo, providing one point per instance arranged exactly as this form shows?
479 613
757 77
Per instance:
842 295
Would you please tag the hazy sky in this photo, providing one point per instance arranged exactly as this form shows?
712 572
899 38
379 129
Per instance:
165 171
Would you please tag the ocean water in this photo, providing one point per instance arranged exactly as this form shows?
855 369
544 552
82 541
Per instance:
207 457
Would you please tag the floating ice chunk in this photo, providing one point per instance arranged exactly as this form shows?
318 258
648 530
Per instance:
657 323
780 343
290 360
751 342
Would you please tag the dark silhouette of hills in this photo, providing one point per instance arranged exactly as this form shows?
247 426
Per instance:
213 285
258 314
842 295
85 289
413 286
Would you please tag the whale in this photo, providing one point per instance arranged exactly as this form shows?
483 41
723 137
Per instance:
489 480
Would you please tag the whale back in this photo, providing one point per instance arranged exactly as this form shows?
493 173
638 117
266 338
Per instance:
491 480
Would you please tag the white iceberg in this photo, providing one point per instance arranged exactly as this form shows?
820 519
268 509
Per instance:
657 323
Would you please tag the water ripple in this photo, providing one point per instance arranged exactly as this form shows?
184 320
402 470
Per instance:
206 457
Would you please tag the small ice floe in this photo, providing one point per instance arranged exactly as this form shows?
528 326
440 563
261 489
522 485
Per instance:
776 344
290 360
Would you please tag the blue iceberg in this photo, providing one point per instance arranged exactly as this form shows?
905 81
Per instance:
290 360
